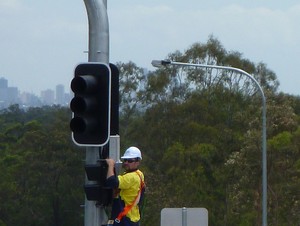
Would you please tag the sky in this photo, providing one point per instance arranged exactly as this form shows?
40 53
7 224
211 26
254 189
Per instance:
41 42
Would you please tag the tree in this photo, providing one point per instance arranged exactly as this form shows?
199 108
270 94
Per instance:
191 108
39 173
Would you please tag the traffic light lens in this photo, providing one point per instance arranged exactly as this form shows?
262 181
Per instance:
78 104
83 84
78 125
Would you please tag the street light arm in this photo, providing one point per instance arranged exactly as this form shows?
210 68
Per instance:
160 63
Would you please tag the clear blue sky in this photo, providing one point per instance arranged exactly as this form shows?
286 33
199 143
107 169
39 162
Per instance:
42 41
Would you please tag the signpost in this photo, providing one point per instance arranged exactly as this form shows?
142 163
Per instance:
184 217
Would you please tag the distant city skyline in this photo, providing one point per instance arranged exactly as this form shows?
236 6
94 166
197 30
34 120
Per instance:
38 93
12 95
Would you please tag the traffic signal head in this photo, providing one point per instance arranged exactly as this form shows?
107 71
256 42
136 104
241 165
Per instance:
90 124
96 190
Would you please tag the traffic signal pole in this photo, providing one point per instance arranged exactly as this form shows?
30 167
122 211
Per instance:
98 52
98 31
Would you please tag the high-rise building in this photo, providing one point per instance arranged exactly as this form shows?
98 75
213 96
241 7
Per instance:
3 83
60 95
30 99
3 89
47 97
12 95
8 95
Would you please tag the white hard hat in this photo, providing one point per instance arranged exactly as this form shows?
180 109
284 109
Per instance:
132 152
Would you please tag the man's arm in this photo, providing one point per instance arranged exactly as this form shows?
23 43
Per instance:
111 167
111 179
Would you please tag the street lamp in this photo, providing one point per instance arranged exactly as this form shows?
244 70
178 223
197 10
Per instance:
159 63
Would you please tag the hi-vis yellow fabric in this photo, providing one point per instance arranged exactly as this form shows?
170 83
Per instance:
130 184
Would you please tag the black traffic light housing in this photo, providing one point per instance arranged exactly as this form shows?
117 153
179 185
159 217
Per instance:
114 106
90 123
96 189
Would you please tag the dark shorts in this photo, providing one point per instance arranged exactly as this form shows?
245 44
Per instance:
126 222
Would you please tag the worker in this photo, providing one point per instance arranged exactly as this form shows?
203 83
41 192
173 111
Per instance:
129 188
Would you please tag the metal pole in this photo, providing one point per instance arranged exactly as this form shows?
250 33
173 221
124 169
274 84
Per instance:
184 216
98 52
158 63
98 31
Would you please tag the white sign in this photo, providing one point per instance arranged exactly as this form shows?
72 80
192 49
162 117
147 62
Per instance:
184 217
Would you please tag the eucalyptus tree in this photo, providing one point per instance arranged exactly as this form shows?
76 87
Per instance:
132 80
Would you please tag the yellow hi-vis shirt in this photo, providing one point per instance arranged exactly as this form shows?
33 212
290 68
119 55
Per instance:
129 185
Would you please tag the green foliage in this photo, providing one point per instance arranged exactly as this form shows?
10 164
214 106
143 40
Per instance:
40 168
